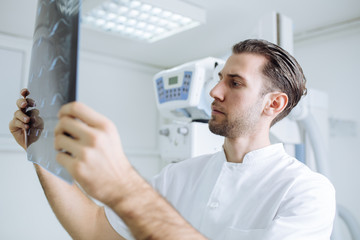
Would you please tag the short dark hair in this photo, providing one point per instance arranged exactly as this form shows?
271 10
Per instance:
282 70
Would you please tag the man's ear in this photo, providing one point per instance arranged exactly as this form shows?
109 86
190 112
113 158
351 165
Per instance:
275 103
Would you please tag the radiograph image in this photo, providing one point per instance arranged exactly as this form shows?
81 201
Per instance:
52 77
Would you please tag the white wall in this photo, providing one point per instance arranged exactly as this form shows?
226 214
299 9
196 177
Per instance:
120 90
331 63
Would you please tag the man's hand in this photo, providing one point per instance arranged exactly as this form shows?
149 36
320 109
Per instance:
90 149
23 121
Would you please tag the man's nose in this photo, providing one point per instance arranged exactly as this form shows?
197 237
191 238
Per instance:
218 91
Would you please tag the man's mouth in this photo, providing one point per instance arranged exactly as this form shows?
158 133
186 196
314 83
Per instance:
216 109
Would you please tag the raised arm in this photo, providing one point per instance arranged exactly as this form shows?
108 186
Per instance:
79 215
94 157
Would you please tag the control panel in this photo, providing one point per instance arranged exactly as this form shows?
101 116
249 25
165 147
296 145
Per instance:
173 88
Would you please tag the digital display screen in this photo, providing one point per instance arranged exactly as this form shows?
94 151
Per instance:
173 80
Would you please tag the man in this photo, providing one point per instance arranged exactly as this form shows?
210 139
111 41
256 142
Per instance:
250 190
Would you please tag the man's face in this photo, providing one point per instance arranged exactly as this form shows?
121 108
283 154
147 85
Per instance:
238 100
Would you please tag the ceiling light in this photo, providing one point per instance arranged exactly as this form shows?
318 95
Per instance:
148 20
141 25
119 28
133 13
156 11
146 7
99 22
122 10
121 19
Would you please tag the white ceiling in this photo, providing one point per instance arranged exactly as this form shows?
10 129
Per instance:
228 21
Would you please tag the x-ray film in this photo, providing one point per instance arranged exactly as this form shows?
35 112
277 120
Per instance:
52 77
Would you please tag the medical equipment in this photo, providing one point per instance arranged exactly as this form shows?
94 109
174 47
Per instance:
182 92
182 97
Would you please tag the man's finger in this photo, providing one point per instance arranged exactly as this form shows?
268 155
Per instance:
37 122
31 102
15 124
19 115
24 92
73 127
21 103
33 112
84 113
67 144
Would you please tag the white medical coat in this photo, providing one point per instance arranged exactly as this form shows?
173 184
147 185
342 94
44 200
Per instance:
270 196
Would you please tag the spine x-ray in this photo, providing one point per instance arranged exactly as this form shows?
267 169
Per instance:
52 77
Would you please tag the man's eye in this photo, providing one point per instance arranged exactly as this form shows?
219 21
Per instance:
236 84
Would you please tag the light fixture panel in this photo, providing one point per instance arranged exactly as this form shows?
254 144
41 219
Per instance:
146 20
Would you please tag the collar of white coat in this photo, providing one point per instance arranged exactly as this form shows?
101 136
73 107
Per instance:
258 156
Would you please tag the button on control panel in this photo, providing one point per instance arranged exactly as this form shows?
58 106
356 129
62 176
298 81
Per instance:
166 93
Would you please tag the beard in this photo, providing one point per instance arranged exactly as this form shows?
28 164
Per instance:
243 124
